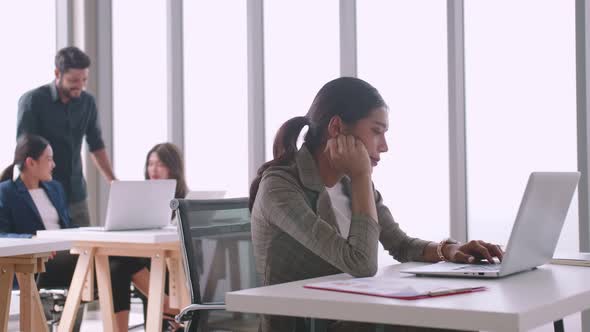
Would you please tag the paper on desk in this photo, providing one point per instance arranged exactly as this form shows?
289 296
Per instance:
398 288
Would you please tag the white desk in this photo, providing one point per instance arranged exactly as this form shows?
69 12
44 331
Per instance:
25 257
94 247
153 236
514 303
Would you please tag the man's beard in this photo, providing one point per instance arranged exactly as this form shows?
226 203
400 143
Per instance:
65 92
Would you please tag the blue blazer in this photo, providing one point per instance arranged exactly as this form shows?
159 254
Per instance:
19 216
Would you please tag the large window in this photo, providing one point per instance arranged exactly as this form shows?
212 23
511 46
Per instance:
301 44
139 83
28 37
521 107
216 104
402 51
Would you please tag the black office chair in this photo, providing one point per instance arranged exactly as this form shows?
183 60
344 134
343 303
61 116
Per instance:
218 258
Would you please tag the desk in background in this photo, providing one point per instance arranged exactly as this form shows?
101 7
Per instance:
25 257
94 248
514 303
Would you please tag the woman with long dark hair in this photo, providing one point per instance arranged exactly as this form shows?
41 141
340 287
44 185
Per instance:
34 188
34 201
315 210
163 161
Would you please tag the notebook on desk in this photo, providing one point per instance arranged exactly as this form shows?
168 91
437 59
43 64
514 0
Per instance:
138 205
535 232
395 288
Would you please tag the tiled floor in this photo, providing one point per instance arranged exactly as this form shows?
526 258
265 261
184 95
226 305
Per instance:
92 321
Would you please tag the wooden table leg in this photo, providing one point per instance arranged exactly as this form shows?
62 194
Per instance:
39 319
176 267
105 292
178 293
174 281
32 316
183 290
26 300
156 292
6 279
68 317
88 288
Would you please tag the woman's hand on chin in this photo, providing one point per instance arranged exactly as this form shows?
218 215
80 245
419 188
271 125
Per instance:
347 154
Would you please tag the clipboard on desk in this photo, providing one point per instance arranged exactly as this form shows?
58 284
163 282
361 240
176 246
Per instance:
394 288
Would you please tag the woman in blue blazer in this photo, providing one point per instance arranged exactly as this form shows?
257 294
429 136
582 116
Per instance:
35 202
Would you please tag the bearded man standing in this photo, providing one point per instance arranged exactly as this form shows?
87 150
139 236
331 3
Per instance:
64 113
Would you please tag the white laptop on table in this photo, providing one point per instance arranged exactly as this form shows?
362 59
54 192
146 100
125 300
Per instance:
535 233
138 205
205 194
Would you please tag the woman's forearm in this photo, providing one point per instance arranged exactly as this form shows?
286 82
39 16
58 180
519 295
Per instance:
363 197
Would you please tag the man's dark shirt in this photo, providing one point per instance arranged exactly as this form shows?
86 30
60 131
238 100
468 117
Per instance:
41 112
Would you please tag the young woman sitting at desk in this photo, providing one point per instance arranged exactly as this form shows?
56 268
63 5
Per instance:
315 211
34 201
163 161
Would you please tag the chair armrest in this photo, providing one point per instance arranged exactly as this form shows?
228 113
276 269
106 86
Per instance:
187 313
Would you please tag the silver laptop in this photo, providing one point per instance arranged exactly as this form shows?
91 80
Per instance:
535 233
205 194
208 215
138 205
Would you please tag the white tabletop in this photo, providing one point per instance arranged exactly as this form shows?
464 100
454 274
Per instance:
19 246
514 303
163 235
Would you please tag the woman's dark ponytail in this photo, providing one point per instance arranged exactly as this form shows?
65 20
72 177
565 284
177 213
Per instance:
283 150
285 144
26 146
8 173
349 98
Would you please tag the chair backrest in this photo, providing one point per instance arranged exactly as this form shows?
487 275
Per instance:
217 246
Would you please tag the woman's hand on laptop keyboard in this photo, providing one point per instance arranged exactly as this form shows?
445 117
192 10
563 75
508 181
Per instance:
473 252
